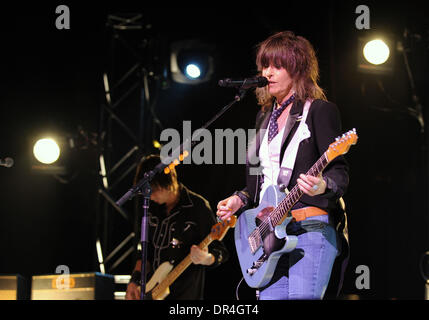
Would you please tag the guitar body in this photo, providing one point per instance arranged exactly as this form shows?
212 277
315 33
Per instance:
275 243
160 274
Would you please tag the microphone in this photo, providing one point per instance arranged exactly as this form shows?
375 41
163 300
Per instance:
7 162
246 83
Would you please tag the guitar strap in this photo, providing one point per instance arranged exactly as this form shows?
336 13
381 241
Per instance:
288 162
343 243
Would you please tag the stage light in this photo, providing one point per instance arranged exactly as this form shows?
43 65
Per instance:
46 150
193 71
376 54
50 154
54 152
376 51
63 154
191 61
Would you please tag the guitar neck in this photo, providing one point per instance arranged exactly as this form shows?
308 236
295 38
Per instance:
178 270
280 212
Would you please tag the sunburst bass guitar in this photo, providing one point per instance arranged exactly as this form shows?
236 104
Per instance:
260 242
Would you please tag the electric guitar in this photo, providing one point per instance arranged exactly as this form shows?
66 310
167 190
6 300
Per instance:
260 242
158 287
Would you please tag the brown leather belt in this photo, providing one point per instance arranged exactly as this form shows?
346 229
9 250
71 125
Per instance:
304 213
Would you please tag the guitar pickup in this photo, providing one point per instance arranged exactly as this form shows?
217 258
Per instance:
254 240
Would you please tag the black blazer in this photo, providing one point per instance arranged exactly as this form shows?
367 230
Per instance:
323 121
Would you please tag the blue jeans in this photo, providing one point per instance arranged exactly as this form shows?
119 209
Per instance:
304 272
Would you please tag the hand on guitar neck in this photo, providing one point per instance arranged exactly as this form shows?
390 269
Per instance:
310 185
227 207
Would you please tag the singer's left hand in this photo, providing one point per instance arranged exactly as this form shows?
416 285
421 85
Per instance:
311 185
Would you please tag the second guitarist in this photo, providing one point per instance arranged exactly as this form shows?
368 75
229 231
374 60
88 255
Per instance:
179 220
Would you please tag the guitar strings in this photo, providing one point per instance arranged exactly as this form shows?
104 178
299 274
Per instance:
274 215
323 161
295 192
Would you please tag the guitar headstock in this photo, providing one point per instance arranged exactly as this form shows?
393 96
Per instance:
342 144
219 229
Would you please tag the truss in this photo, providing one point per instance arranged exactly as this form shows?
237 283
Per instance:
126 133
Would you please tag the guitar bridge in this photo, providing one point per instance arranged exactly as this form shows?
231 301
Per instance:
257 264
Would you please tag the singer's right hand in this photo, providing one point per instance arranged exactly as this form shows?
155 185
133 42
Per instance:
228 207
133 292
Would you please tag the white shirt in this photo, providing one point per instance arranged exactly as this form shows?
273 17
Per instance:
269 156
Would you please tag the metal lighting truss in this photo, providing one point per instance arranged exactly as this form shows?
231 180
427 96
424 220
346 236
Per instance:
125 133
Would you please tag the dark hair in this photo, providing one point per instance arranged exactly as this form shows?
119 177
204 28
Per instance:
161 179
297 56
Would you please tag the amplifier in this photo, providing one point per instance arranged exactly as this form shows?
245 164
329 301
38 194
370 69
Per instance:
74 286
13 287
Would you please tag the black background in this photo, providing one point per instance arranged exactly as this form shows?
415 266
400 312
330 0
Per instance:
52 80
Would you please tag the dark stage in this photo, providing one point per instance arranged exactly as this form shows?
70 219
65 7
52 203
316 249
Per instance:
52 81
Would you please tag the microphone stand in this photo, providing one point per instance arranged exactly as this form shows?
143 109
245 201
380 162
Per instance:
144 185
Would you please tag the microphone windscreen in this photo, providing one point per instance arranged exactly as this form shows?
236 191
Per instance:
262 82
